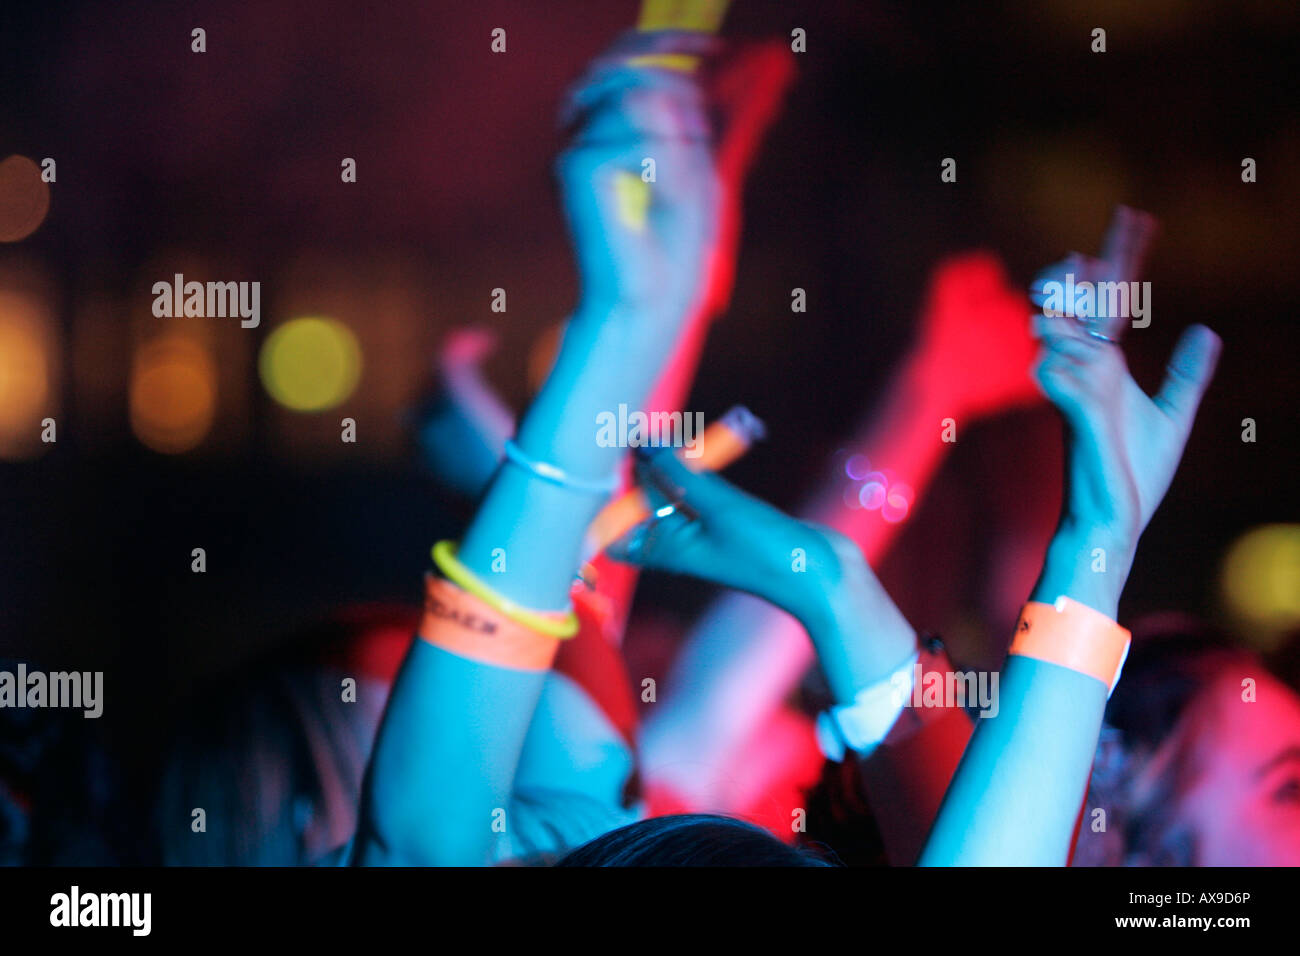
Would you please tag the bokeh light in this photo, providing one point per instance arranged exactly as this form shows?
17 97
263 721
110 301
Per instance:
872 493
895 507
173 394
903 491
1260 583
24 198
857 467
24 374
310 364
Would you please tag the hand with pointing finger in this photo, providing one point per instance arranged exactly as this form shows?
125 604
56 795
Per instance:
1123 254
1123 446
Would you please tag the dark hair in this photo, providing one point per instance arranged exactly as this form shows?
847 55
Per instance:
1174 656
695 839
274 754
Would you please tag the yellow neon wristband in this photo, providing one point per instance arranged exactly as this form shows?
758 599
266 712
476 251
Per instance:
560 624
703 16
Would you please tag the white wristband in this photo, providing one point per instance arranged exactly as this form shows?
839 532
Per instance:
863 724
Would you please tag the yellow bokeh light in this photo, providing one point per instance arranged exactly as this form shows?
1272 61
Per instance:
310 364
1261 582
173 396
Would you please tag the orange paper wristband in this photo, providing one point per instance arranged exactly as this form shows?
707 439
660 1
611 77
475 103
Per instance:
464 625
1072 635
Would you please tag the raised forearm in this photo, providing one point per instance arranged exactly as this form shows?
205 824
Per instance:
527 535
455 728
743 656
1015 796
442 772
903 436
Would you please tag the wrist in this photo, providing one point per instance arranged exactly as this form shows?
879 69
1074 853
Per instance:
1088 563
610 356
651 318
860 636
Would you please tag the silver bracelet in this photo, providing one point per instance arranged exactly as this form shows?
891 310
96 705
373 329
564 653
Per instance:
559 476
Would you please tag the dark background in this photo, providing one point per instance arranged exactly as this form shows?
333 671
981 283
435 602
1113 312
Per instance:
230 160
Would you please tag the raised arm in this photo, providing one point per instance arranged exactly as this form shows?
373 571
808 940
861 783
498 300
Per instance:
442 772
743 657
1016 795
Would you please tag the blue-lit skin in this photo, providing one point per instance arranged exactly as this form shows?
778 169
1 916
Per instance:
814 573
742 658
461 430
451 740
1016 795
438 807
638 288
438 772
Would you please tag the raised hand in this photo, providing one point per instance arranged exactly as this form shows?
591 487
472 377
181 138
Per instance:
1123 255
459 714
640 244
1015 797
1123 445
974 346
707 528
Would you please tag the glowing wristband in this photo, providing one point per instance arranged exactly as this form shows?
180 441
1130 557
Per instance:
1072 635
558 476
696 16
862 725
703 16
460 623
682 62
559 624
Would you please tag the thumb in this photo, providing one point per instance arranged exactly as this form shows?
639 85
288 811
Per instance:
1188 374
667 485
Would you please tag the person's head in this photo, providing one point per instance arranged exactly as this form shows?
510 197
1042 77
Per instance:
689 840
1238 764
275 754
1210 772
